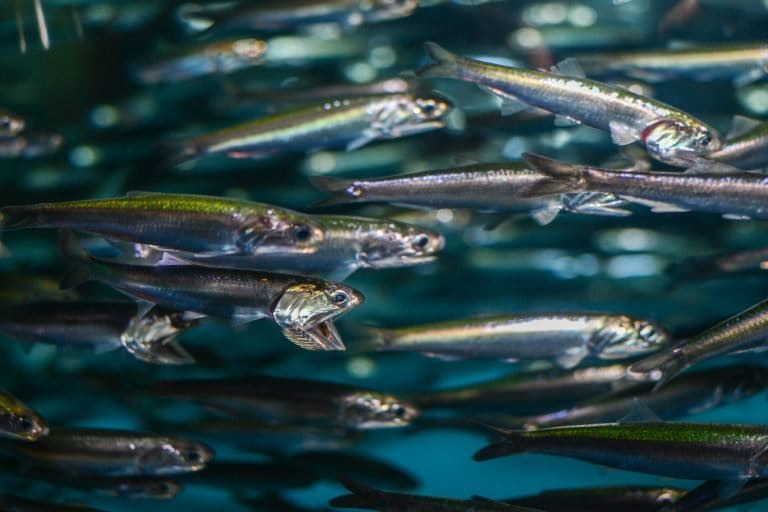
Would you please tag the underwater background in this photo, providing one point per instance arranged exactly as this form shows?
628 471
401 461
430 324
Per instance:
114 127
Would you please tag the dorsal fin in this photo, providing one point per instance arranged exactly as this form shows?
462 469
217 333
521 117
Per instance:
569 67
639 412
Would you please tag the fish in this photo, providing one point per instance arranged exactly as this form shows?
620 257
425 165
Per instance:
303 307
602 499
747 145
335 123
563 338
735 195
743 63
99 327
205 225
289 14
529 392
744 331
18 421
494 187
108 452
668 134
327 464
348 244
13 503
368 498
708 267
10 123
220 57
693 393
689 451
30 145
709 495
294 401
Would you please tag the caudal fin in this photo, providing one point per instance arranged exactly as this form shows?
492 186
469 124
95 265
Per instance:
340 190
18 217
563 178
511 443
362 496
372 338
444 63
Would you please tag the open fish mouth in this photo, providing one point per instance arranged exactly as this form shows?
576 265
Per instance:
322 336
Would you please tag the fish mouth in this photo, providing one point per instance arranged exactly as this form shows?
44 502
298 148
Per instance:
321 336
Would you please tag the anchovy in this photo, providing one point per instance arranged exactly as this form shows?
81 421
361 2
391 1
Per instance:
691 394
734 194
302 306
220 57
19 421
295 401
602 499
501 187
99 326
104 452
10 123
744 331
747 148
742 63
368 498
206 225
692 451
288 14
528 393
709 496
337 123
668 134
564 338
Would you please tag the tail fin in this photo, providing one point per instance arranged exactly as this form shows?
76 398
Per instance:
374 338
360 498
340 190
179 151
511 443
444 63
661 367
79 270
18 217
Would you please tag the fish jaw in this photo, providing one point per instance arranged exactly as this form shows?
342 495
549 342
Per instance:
322 336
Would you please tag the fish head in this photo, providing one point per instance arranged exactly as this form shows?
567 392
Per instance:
680 143
399 246
17 421
151 338
174 456
381 10
626 337
305 312
410 114
371 409
276 231
10 124
146 488
241 53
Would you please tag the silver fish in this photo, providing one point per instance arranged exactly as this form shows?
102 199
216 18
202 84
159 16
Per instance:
668 134
746 146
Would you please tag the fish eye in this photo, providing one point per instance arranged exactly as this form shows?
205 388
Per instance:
428 108
705 139
26 425
302 232
340 297
193 456
398 411
421 241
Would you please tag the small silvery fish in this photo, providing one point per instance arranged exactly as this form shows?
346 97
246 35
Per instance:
690 394
30 145
364 497
303 307
602 499
710 496
10 123
207 225
498 188
527 393
19 421
337 123
667 133
104 452
348 244
692 451
563 338
100 327
746 146
742 63
304 402
734 194
220 57
13 503
290 14
744 331
709 267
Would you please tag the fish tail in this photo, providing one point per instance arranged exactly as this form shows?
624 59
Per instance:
361 494
19 217
179 152
79 271
661 367
563 177
511 445
444 63
340 190
375 338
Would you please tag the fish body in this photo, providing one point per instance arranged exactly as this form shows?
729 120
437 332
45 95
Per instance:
565 338
104 452
741 195
694 451
746 150
337 123
206 225
709 496
294 401
668 134
602 499
707 267
220 57
742 63
743 331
